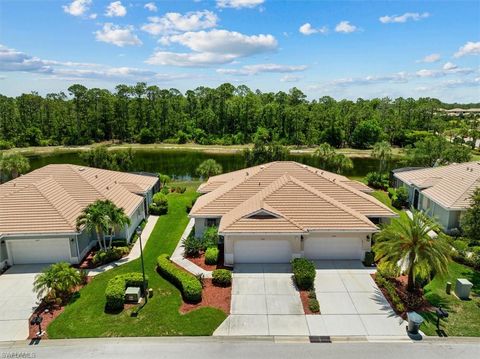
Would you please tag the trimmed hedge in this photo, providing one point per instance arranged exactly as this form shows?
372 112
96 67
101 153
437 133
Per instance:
110 255
115 291
211 255
187 283
222 278
159 205
303 273
313 305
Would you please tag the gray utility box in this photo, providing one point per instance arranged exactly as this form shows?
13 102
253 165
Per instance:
462 288
132 294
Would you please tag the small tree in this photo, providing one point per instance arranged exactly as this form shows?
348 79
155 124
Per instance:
117 219
471 220
56 281
95 218
382 151
406 244
331 160
209 168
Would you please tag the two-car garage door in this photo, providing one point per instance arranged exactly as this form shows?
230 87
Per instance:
39 250
333 248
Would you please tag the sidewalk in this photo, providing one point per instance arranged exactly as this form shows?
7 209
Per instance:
177 256
134 253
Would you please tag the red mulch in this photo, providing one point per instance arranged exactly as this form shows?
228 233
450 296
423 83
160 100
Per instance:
304 299
212 296
200 261
87 262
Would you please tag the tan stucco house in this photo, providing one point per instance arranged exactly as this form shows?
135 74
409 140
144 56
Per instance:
38 211
441 192
283 210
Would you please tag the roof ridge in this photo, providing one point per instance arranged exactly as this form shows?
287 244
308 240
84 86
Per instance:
82 177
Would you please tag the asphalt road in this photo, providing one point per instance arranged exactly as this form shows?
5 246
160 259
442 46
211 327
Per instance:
182 348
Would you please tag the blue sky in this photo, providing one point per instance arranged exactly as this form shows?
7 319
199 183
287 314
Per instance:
345 49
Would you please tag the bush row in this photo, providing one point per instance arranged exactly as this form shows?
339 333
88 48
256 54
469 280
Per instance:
303 273
391 291
109 255
115 291
187 283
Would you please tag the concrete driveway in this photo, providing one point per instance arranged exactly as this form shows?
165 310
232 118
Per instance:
17 300
266 302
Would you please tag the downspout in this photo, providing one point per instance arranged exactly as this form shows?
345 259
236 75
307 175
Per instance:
78 249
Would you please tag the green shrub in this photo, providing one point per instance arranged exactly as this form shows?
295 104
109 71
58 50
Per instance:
187 283
6 145
387 270
303 273
391 292
222 277
115 291
210 238
165 190
460 245
313 305
109 255
399 197
377 180
312 294
159 205
192 246
211 255
369 259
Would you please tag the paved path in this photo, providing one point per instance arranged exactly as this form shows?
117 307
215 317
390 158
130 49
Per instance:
134 253
177 256
17 300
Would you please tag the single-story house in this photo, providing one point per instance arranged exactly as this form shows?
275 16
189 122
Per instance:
38 211
283 210
441 192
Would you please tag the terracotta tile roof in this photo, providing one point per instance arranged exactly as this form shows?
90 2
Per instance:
250 181
450 186
289 205
49 199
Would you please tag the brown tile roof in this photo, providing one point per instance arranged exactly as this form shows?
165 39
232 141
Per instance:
49 199
294 207
250 181
450 186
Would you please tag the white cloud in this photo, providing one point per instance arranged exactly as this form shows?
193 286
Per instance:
415 16
151 7
174 22
429 73
449 66
345 27
238 4
77 7
447 69
307 29
212 48
291 78
115 9
13 60
430 58
117 35
262 68
470 48
399 77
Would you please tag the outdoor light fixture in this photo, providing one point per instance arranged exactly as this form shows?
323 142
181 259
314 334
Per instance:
139 231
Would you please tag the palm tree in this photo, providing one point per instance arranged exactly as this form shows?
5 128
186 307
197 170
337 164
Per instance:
14 164
95 218
209 168
406 244
117 218
331 160
56 281
383 152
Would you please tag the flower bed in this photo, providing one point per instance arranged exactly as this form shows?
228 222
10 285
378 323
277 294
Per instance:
305 302
212 296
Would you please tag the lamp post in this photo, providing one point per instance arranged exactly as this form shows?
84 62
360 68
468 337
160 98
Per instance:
144 289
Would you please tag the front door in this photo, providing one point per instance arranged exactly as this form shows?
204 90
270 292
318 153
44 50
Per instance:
415 199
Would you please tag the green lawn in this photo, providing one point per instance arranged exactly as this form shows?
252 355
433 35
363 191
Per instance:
464 318
85 317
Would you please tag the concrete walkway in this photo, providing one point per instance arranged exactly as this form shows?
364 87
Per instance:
17 300
134 253
177 256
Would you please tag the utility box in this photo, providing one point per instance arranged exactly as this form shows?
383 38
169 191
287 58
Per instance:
463 288
132 294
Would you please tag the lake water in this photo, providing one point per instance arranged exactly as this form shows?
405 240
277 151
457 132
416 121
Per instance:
181 164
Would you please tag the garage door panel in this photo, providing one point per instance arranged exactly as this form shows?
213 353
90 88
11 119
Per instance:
33 251
262 251
333 248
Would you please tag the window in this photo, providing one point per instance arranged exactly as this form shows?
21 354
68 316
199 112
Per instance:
210 222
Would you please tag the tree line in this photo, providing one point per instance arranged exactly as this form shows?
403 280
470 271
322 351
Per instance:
224 115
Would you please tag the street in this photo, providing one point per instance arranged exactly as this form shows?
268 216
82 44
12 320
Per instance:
206 348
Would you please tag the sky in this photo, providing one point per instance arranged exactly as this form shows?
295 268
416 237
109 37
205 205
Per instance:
343 49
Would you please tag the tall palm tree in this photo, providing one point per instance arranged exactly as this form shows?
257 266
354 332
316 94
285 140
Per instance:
406 244
383 152
117 218
95 218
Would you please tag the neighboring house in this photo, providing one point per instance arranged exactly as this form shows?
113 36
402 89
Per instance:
38 211
282 210
441 192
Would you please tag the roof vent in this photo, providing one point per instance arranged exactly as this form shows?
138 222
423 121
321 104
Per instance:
259 183
81 169
246 174
108 187
305 166
96 176
262 167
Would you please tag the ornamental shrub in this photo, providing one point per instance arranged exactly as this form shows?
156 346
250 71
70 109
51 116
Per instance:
303 273
159 205
187 283
313 305
369 259
115 291
109 255
192 246
211 255
222 278
377 180
210 238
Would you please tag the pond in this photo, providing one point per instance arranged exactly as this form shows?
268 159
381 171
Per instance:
181 164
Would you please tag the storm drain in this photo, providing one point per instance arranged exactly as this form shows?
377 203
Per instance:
320 339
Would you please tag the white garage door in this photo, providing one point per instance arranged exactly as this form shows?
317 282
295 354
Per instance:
262 251
333 248
39 250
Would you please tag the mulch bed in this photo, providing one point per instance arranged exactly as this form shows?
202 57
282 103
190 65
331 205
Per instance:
87 262
304 299
200 261
212 296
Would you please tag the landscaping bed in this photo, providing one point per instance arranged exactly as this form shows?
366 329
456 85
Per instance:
305 302
212 296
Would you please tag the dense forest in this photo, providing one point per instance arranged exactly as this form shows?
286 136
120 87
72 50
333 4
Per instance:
224 115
